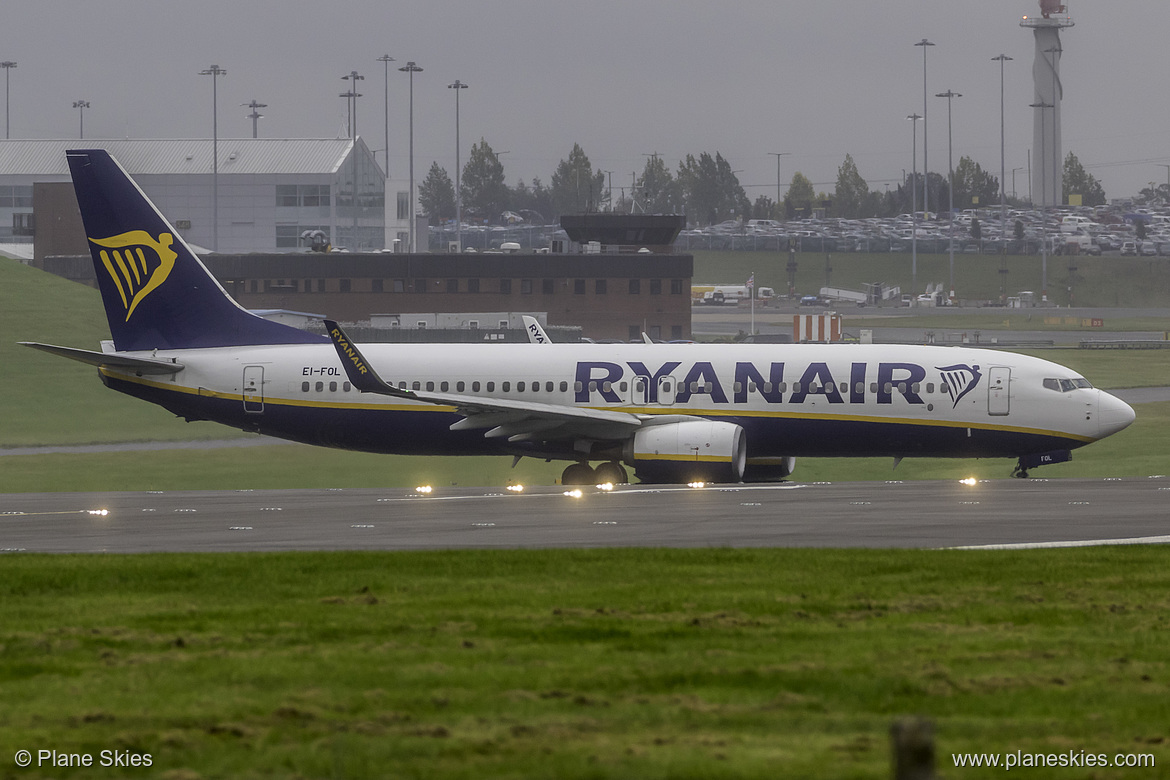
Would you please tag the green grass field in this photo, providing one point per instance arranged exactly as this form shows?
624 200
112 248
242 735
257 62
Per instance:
582 664
48 400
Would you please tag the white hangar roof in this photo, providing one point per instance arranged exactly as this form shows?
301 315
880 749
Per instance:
193 156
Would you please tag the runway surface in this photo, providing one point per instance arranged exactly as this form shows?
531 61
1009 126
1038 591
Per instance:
856 514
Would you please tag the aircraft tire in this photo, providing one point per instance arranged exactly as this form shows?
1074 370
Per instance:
612 472
579 474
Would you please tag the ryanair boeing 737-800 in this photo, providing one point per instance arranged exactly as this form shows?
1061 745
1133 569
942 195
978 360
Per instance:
673 412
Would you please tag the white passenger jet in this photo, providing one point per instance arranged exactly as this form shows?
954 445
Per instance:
672 412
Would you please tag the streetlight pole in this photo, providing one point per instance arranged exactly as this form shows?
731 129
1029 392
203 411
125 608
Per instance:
914 205
386 59
255 116
81 105
778 155
355 78
458 86
925 147
1002 145
411 69
8 65
1002 183
215 72
353 94
1043 211
1014 196
949 94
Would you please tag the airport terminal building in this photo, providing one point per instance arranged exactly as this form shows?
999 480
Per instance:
270 191
603 280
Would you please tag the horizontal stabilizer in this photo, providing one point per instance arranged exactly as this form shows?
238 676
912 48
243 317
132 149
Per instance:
109 359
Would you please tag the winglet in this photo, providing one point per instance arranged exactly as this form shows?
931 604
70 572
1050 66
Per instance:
536 334
357 368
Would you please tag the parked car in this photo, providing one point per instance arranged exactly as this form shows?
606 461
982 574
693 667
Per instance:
1128 249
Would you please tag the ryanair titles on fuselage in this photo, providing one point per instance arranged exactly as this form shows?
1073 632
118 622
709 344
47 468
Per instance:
904 379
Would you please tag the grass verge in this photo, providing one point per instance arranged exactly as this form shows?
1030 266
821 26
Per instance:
627 663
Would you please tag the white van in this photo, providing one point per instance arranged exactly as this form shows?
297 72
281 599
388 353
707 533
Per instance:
1074 224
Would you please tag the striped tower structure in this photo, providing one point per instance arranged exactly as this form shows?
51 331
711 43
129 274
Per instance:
1047 159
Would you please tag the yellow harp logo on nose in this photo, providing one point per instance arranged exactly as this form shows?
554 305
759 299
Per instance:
137 264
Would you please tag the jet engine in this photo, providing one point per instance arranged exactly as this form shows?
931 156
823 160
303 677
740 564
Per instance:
769 470
688 451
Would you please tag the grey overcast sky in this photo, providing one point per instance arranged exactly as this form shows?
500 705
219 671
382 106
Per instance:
623 78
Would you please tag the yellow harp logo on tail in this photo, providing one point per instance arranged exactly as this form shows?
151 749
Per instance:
137 264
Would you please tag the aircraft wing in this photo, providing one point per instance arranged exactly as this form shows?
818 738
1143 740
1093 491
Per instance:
517 420
109 359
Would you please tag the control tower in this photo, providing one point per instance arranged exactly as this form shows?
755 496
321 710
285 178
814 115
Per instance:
1047 159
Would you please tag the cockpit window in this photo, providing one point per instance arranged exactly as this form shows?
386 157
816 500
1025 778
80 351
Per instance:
1067 385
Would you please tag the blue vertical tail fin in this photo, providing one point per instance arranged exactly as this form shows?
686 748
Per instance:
157 293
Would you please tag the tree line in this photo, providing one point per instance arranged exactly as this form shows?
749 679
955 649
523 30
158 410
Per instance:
706 189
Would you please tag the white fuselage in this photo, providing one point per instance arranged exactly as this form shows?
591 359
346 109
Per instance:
792 400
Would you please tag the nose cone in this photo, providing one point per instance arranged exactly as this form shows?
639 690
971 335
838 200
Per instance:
1113 415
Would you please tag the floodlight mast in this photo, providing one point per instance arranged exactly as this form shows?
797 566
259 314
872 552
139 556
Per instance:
215 72
458 86
81 105
411 68
925 147
949 94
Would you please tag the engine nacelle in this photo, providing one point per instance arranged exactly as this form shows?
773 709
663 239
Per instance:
688 451
769 469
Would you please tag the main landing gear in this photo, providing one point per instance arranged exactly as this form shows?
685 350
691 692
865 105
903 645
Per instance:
584 474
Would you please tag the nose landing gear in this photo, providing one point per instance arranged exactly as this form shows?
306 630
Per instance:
1040 459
